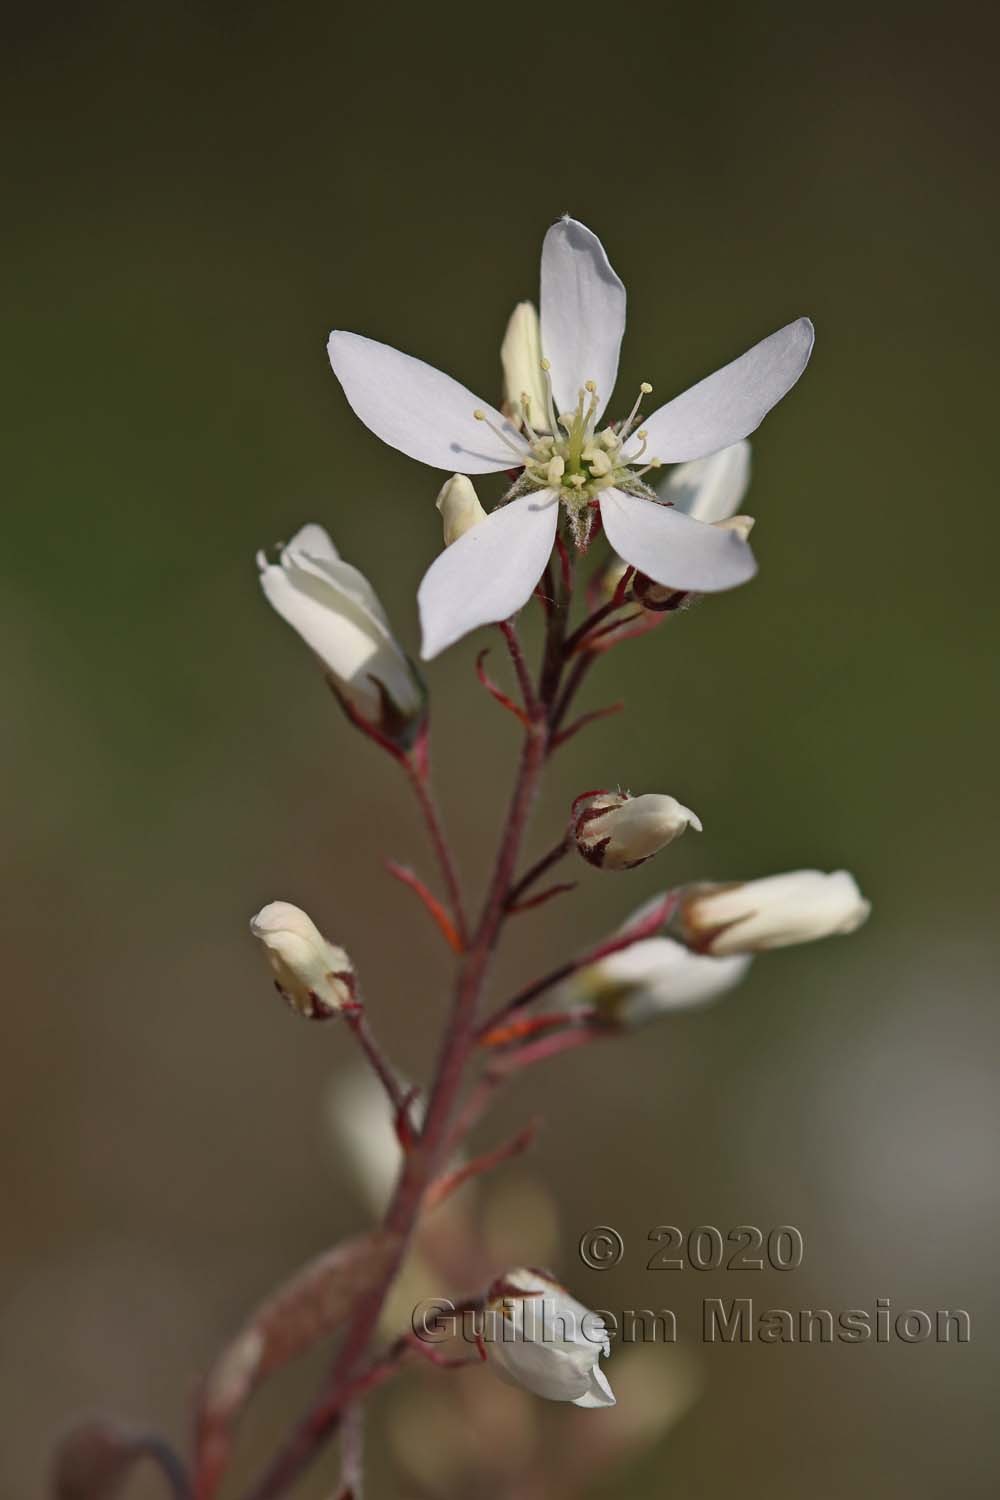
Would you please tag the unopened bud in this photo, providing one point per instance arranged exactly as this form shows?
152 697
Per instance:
709 489
649 979
541 1338
776 912
521 361
314 976
459 506
337 613
616 831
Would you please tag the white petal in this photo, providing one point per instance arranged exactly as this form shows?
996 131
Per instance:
416 409
728 405
489 573
672 549
315 540
600 1393
710 489
334 609
583 313
332 570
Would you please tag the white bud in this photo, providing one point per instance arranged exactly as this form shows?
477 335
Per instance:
616 832
772 913
314 976
648 979
710 489
459 506
335 610
521 361
546 1341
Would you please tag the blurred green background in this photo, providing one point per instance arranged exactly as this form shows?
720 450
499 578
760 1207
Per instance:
195 195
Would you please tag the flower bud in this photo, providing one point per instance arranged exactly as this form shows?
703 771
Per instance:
459 506
521 361
648 979
755 915
616 831
314 976
710 489
742 525
335 610
546 1341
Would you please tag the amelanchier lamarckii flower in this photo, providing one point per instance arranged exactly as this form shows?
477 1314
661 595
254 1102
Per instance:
567 460
546 1341
649 979
338 614
314 976
754 915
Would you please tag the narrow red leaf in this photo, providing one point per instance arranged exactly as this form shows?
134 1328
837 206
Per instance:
437 912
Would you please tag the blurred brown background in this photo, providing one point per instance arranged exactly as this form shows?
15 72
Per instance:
195 194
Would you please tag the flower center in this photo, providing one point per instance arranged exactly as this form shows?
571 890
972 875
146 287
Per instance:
569 455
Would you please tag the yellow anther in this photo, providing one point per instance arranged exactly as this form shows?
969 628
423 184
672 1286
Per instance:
646 388
577 480
546 364
591 386
479 414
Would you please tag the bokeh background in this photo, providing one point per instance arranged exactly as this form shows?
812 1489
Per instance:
194 195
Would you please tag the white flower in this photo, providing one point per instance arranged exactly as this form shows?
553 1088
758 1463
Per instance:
314 976
616 832
548 1342
566 458
771 913
459 506
337 613
650 978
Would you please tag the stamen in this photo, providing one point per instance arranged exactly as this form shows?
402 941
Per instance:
481 416
550 409
654 463
526 416
642 435
555 470
644 390
598 461
591 417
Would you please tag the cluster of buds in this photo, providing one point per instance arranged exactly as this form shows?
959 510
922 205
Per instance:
616 831
337 613
315 977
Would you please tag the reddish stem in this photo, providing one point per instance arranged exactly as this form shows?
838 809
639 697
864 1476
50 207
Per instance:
537 870
418 770
422 1162
452 1181
399 1097
635 933
550 891
582 722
